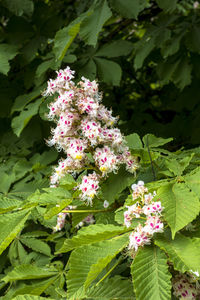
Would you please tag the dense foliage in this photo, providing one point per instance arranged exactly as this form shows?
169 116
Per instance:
145 55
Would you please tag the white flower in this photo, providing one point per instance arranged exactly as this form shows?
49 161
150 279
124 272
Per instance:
152 225
89 187
105 204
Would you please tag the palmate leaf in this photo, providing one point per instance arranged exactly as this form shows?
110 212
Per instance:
57 209
65 36
24 272
22 100
116 287
182 251
108 71
115 184
20 7
86 262
91 234
153 141
181 205
10 225
36 245
192 180
129 8
7 204
36 288
93 23
115 49
50 196
175 70
7 52
20 122
167 5
151 278
134 141
30 297
178 166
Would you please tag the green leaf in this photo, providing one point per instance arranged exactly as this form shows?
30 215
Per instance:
143 49
154 37
30 297
68 181
178 166
42 69
81 274
50 196
193 39
7 52
36 245
171 46
121 289
151 278
153 141
181 205
88 69
192 180
115 184
167 5
6 181
91 234
182 75
93 23
57 209
65 36
108 71
134 141
36 288
183 251
175 70
20 7
7 204
21 121
129 9
10 225
24 272
22 100
115 49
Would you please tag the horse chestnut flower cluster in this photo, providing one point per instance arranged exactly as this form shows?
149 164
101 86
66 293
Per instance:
85 129
146 208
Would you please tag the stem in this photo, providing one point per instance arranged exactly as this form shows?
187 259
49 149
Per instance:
153 171
84 211
106 275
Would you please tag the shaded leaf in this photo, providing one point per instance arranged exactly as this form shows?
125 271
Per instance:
7 52
20 7
65 36
167 5
129 9
21 121
115 49
115 184
93 23
108 71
